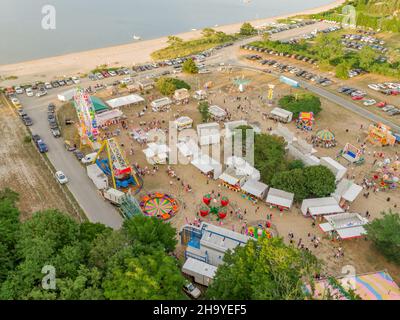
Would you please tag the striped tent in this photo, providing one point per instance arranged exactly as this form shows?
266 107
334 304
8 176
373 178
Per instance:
325 135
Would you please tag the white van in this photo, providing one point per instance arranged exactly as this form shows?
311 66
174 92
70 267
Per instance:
89 158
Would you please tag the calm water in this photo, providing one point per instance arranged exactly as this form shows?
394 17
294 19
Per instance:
90 24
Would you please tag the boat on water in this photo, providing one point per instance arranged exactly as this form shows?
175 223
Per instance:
136 38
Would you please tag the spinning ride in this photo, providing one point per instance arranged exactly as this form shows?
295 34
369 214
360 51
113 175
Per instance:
159 205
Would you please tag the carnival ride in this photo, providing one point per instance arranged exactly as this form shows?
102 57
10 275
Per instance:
258 232
85 110
305 121
387 174
214 207
271 88
115 166
380 134
352 154
159 205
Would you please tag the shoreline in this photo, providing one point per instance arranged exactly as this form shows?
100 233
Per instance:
120 55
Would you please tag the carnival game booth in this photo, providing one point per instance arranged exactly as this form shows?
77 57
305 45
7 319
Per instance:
352 153
145 84
232 180
207 165
320 206
305 121
156 153
108 118
381 135
130 100
217 113
200 95
346 192
370 286
281 115
181 96
347 225
161 105
337 169
209 133
280 199
183 123
255 189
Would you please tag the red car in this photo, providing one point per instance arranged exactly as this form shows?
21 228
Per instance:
105 74
394 92
357 97
381 104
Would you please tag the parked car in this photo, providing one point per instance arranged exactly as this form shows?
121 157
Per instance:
76 80
369 102
27 121
69 146
55 132
41 93
36 138
15 102
42 146
19 90
78 154
48 86
192 290
61 177
29 92
357 97
51 107
89 158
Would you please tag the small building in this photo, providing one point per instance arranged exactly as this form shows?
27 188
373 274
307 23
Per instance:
161 105
256 189
346 192
208 243
209 133
130 100
320 206
107 118
202 273
337 169
217 113
67 95
200 95
183 123
232 180
156 153
146 84
281 115
281 199
182 96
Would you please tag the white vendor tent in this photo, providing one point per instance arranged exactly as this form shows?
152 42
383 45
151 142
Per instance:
231 177
105 117
217 113
337 169
156 153
242 167
188 148
125 101
207 165
209 133
347 225
183 123
320 206
162 104
255 188
67 95
281 114
347 191
280 198
200 95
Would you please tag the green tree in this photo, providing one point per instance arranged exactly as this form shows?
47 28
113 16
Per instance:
203 108
385 235
150 232
266 269
295 164
292 181
167 86
174 41
342 71
301 103
189 66
368 57
247 29
321 181
269 155
154 276
328 47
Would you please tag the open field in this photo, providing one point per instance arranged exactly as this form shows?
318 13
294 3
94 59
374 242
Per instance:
22 170
358 253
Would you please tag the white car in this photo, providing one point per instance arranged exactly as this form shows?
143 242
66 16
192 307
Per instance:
61 178
48 86
16 102
126 80
374 87
29 92
41 93
192 291
369 102
112 73
76 80
89 158
19 90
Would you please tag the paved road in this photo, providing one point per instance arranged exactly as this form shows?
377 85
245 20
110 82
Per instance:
82 188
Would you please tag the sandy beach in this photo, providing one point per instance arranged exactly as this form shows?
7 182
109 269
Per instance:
123 55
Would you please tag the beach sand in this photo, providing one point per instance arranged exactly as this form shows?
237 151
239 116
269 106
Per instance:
124 55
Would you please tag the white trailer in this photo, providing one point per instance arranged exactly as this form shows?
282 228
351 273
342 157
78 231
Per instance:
66 95
202 273
98 177
114 196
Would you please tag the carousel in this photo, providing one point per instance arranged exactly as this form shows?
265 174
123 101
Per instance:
325 139
159 205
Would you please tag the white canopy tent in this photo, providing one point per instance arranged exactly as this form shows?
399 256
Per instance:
347 225
281 114
347 190
242 167
280 198
104 117
207 165
217 113
320 206
337 169
156 153
255 188
125 101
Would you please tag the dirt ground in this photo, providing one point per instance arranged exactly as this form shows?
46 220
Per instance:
358 253
22 170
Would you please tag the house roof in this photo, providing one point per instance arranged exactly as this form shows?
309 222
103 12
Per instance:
125 101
